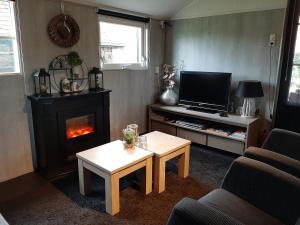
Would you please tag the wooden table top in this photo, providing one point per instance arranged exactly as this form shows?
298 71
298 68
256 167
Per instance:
113 157
162 144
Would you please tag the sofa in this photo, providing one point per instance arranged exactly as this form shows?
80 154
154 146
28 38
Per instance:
252 193
281 149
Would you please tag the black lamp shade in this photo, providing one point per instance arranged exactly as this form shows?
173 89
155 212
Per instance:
249 89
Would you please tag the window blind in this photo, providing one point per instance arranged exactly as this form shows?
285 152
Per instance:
123 16
7 28
9 54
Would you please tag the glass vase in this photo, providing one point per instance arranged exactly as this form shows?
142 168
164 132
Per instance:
128 138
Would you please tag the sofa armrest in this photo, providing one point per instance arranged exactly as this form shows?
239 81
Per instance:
283 142
192 212
267 188
274 159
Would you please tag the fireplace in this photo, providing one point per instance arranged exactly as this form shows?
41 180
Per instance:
65 125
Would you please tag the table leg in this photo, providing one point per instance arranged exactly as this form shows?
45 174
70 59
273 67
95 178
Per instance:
84 179
159 174
112 194
148 178
184 163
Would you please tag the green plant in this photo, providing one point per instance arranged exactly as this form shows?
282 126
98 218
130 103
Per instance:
74 59
128 137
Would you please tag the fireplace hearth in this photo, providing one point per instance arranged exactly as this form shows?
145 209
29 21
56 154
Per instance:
67 124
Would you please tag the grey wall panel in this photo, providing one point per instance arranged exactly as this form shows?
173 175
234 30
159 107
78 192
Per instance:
236 43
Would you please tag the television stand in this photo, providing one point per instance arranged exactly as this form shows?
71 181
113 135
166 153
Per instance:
205 110
233 133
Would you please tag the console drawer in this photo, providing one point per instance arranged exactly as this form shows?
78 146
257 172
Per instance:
157 126
192 136
226 144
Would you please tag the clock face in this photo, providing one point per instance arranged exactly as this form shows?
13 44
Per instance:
64 31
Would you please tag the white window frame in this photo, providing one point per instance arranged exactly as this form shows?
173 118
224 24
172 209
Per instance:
144 39
15 38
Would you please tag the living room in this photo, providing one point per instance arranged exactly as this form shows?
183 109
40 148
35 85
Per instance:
149 112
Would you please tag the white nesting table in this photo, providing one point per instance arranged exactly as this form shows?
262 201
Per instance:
166 147
112 161
2 220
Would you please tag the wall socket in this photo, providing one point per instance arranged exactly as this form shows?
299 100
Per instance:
272 40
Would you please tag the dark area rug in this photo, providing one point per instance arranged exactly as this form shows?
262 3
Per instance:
96 199
61 202
209 165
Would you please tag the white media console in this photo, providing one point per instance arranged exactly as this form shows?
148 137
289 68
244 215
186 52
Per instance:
205 128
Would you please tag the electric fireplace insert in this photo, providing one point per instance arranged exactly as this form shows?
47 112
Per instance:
80 126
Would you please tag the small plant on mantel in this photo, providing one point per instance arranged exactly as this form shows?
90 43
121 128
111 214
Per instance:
74 60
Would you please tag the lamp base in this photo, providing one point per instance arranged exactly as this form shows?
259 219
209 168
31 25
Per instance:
248 110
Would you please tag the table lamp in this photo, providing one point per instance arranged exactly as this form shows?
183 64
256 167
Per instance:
249 90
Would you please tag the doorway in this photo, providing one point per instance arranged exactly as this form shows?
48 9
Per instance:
287 114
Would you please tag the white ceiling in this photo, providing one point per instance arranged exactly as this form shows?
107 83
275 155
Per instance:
202 8
179 9
158 9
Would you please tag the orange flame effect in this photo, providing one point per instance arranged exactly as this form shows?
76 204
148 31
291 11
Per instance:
79 132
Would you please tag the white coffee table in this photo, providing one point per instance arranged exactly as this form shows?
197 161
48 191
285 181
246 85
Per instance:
112 161
2 220
166 147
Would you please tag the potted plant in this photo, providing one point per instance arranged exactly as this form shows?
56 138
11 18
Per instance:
128 137
74 60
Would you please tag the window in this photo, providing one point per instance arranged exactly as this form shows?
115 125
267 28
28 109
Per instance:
9 55
294 90
123 44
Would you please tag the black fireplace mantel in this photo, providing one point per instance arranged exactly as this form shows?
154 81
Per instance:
56 150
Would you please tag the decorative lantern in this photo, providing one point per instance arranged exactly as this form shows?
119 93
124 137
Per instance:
42 83
95 77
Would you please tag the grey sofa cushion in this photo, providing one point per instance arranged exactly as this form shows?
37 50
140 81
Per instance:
191 212
298 221
277 160
283 142
237 208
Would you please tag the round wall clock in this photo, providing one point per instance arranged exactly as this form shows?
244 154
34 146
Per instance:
63 30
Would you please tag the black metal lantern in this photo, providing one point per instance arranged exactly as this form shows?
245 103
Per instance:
95 79
42 83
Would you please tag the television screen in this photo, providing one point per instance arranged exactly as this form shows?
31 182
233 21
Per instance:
204 89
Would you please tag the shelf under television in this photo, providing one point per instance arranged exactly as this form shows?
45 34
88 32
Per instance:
199 131
232 119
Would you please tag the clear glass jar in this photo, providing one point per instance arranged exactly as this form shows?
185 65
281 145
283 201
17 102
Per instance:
142 141
135 128
128 137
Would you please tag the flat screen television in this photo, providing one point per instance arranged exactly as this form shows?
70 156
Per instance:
204 91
